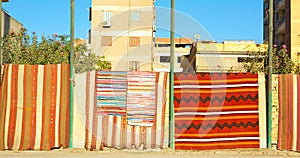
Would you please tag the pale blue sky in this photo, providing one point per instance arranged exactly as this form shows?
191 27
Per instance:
222 19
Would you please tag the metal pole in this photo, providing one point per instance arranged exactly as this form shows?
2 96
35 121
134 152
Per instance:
171 87
270 72
71 72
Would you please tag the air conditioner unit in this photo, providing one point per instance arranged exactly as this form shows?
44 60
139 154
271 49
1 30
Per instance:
106 23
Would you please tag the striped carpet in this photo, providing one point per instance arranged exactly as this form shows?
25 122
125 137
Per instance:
141 98
34 108
111 89
289 112
115 131
216 111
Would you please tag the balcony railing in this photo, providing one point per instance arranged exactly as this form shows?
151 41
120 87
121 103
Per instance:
280 5
266 18
280 26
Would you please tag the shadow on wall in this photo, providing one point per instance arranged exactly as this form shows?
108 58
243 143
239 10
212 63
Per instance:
7 23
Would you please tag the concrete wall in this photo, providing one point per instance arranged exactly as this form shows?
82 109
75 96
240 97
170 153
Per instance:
80 110
275 110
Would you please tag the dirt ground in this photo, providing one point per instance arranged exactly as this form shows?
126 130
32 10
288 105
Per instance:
112 153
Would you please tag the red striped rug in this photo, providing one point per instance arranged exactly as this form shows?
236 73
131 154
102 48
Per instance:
216 111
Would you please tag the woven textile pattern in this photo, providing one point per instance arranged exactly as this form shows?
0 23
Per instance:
289 112
117 131
111 89
141 98
34 108
216 111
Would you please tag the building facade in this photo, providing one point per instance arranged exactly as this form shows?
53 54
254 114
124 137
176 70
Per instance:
162 53
9 23
226 56
123 32
286 25
204 56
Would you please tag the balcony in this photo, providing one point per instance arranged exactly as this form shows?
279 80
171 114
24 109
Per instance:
280 27
266 10
266 18
280 5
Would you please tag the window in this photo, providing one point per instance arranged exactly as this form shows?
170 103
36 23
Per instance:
249 59
106 16
134 41
135 16
242 59
106 41
164 59
266 6
134 65
179 59
90 14
90 36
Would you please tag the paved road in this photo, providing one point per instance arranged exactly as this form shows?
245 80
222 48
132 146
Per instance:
79 153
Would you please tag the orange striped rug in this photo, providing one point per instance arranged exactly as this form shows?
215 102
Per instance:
34 107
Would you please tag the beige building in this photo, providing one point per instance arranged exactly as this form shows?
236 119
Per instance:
222 57
9 23
162 53
286 25
210 55
123 31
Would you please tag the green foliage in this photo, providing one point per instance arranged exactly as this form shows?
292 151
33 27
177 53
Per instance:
102 64
21 48
87 62
256 63
281 64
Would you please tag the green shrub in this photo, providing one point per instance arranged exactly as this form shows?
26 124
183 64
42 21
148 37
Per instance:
87 62
21 48
281 64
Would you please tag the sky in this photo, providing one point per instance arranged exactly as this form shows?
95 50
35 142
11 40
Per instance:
217 20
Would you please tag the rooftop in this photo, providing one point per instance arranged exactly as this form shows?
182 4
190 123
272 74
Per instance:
176 40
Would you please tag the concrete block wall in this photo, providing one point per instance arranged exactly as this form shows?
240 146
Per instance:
275 110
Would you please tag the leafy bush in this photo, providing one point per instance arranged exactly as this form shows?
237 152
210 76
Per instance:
87 62
21 48
282 64
256 63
